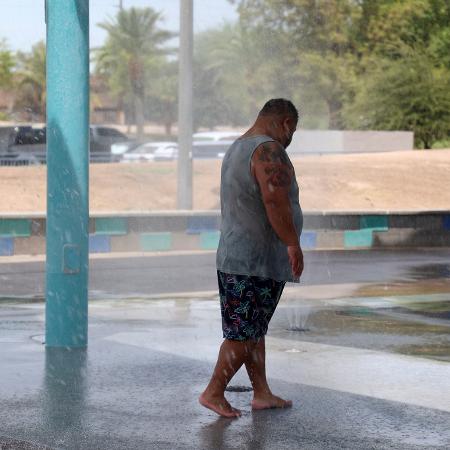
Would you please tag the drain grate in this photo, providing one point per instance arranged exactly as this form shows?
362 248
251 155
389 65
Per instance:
239 389
298 329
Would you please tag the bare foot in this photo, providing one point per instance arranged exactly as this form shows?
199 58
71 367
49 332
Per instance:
219 405
268 401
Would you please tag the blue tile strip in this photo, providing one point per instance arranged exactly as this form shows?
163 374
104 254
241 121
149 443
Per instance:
446 222
308 240
358 238
6 246
197 225
99 243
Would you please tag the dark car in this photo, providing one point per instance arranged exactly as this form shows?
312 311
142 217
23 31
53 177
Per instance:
21 145
25 139
101 140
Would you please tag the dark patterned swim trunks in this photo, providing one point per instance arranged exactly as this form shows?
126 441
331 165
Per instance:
247 304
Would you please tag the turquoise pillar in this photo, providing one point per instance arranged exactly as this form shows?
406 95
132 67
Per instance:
67 172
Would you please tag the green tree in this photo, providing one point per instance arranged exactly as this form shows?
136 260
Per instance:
409 93
133 48
224 91
162 104
235 72
407 22
404 81
318 45
31 80
6 65
380 64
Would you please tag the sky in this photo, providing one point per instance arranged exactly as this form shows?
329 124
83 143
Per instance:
22 22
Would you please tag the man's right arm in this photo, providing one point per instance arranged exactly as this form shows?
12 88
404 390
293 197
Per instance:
273 172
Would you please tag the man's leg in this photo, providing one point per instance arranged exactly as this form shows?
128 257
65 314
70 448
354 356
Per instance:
232 355
256 369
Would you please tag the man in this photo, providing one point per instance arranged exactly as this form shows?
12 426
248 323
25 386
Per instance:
258 252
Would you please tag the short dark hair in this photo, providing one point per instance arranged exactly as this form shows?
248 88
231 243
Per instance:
279 107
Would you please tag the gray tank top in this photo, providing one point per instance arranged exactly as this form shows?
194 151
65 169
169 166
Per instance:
248 244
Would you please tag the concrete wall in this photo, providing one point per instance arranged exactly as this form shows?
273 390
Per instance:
333 141
22 234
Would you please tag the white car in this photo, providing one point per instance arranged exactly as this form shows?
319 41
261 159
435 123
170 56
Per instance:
216 136
211 149
152 151
119 148
200 150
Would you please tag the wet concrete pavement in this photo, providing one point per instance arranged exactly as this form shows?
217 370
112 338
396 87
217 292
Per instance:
353 384
167 272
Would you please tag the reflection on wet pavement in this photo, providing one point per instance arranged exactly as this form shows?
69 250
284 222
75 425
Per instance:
411 325
428 271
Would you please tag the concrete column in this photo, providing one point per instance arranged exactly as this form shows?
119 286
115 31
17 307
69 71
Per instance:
185 109
67 172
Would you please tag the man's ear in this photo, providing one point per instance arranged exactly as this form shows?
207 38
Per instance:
288 121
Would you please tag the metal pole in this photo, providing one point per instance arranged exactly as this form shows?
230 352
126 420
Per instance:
67 172
185 110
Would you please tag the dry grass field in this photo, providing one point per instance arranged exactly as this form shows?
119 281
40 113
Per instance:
413 180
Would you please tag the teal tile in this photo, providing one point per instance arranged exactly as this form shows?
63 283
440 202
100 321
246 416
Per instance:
209 240
156 241
15 227
358 238
375 223
111 225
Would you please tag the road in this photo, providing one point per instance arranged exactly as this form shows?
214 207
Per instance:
194 272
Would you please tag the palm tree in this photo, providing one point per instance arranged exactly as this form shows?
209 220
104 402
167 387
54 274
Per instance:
31 75
6 65
133 44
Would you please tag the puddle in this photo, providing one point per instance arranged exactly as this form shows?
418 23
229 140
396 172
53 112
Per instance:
428 271
402 287
415 327
357 311
439 351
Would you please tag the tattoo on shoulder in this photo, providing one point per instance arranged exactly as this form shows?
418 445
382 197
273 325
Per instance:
270 153
278 176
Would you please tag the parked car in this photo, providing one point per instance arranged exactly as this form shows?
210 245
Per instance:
166 153
101 141
151 151
200 150
120 148
211 149
18 159
216 136
26 139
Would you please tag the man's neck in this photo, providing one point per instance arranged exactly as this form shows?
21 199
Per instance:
259 128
